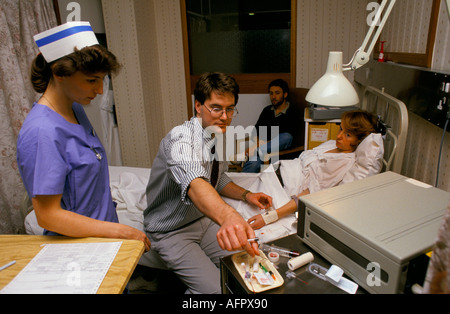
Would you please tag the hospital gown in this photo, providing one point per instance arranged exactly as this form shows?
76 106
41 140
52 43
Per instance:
58 157
316 169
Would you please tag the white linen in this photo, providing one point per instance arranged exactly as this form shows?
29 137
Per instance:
128 186
317 170
128 191
266 182
369 158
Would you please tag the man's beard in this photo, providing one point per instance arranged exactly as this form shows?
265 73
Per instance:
278 104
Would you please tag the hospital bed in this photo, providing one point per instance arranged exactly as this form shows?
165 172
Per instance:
128 184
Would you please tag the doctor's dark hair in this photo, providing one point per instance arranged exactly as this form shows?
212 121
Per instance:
215 82
89 60
360 123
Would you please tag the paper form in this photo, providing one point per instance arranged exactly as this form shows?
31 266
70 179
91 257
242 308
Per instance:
75 268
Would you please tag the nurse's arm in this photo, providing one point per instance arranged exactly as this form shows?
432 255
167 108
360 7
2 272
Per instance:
52 217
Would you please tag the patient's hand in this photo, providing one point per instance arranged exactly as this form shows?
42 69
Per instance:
257 222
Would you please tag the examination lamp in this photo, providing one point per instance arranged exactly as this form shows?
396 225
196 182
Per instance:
333 90
448 7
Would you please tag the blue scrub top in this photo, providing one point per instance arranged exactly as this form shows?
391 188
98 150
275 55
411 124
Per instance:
58 157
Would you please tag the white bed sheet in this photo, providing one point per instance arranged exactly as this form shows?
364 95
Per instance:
128 186
128 191
266 182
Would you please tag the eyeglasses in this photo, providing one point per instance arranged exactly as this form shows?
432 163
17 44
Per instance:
218 112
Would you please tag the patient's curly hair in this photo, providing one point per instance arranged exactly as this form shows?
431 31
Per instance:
89 60
360 123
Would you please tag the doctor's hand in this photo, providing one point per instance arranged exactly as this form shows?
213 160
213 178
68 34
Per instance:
234 233
261 200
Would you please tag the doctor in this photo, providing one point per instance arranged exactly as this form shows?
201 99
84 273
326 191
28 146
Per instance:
61 160
190 225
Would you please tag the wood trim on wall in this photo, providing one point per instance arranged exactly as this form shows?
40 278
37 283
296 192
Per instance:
58 14
249 83
417 59
187 65
293 80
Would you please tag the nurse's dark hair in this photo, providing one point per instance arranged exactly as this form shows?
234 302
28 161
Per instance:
215 82
360 123
89 60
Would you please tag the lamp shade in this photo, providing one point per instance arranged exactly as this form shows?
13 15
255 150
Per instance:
333 89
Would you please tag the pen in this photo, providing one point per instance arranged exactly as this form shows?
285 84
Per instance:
7 265
253 240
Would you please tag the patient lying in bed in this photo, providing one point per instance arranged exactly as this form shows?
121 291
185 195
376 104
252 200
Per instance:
356 154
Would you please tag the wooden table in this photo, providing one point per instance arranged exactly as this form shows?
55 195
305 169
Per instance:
23 248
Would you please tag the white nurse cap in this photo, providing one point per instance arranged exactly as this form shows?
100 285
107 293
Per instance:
60 41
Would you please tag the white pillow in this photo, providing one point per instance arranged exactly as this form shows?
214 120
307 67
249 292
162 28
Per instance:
369 158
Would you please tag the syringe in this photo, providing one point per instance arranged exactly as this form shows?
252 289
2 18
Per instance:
282 251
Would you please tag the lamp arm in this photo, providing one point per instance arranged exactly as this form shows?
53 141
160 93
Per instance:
362 54
448 7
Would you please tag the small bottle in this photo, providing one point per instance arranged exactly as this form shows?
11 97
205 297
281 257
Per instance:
282 251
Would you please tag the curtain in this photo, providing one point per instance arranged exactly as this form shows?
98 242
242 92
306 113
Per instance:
20 20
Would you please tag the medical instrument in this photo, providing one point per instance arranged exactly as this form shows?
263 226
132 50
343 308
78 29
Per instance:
333 276
263 279
376 252
259 280
318 271
7 265
273 257
297 262
333 89
270 216
263 268
267 272
282 251
292 275
255 265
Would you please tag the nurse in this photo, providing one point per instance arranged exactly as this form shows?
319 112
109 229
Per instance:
61 160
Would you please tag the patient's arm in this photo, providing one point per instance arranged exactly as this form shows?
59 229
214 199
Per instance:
257 222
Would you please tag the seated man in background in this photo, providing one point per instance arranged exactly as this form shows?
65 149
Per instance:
279 114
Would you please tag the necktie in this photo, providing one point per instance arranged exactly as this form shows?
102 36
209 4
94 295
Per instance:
215 169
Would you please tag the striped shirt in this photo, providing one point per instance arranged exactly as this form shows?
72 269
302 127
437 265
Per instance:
184 155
